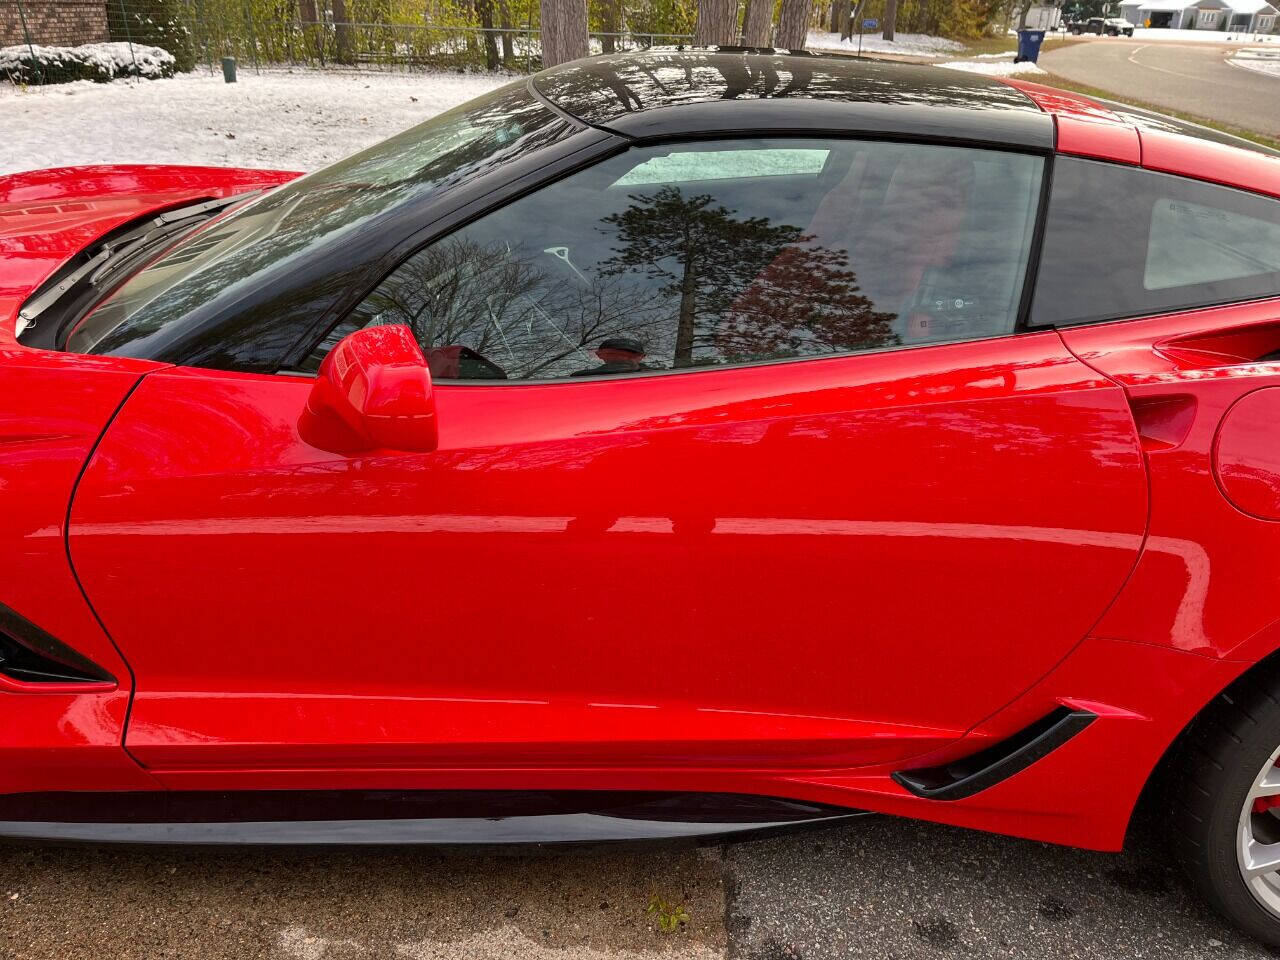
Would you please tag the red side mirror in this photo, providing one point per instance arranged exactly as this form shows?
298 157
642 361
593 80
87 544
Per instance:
373 392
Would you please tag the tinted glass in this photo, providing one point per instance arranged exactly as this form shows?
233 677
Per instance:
240 251
723 252
1124 242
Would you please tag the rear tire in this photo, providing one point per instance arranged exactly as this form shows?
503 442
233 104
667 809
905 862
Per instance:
1224 770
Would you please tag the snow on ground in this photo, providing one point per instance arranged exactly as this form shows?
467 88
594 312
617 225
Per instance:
292 119
908 44
1201 36
1261 61
992 68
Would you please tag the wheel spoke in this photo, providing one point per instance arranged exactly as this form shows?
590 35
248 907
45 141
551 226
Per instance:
1268 786
1260 858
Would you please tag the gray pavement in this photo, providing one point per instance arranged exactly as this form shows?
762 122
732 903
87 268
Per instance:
103 904
1193 78
875 888
889 889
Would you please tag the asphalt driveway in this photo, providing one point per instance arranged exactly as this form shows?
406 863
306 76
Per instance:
876 888
1193 78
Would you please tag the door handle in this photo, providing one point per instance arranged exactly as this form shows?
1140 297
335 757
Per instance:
1163 420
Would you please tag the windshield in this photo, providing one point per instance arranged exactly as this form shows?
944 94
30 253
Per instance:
247 248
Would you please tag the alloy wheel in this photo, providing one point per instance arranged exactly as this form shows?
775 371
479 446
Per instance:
1258 845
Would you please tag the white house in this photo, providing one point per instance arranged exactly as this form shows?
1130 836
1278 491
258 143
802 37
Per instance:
1252 16
1239 16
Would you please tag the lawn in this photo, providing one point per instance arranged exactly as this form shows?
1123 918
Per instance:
296 119
1008 43
1052 80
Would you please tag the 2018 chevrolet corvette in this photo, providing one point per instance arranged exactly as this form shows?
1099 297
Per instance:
670 444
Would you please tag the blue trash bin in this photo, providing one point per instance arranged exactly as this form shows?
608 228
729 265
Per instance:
1029 45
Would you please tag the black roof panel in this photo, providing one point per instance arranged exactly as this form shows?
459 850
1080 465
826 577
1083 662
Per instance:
672 93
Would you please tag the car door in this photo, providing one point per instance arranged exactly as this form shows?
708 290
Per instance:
743 466
1196 266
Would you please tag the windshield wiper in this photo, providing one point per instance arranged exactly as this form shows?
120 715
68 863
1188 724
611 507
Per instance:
90 275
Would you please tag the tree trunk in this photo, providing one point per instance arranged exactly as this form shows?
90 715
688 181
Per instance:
758 23
564 31
834 24
508 43
342 33
312 38
485 9
686 324
890 18
717 23
1022 14
610 22
793 24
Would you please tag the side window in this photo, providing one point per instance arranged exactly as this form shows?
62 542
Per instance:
722 252
1124 242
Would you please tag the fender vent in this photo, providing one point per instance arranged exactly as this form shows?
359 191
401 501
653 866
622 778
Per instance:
29 655
968 775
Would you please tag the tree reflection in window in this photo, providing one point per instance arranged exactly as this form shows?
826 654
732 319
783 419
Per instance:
745 288
771 256
507 308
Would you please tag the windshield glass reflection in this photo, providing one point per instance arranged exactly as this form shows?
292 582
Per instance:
233 254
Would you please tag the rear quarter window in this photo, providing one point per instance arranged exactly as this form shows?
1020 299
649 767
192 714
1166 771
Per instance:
1124 242
1191 244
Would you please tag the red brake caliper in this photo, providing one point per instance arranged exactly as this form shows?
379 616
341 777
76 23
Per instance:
1263 804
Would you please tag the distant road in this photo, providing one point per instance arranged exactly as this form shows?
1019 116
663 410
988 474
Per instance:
1193 78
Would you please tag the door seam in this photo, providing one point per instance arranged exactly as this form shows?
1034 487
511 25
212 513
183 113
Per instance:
1133 568
66 546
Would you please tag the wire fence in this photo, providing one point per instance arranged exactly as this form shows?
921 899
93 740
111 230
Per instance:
394 45
51 41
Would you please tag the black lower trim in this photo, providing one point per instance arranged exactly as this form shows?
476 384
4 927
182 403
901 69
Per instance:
969 775
464 819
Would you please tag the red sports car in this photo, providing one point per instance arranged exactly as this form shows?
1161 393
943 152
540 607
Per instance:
672 444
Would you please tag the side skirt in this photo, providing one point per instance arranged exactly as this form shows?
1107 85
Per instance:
467 820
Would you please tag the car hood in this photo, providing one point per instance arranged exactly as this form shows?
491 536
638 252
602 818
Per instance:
48 216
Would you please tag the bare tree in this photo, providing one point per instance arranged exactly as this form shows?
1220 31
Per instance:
513 313
890 18
342 33
793 24
564 31
757 24
717 23
849 17
312 38
485 9
508 44
610 22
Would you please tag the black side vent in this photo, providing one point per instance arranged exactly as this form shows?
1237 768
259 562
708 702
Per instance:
968 775
29 655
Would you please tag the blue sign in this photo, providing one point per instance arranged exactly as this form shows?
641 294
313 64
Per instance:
870 24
